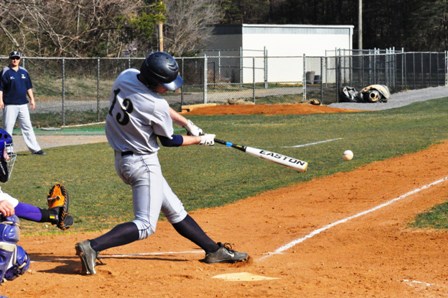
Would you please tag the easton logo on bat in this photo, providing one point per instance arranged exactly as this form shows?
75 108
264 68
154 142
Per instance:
284 160
282 157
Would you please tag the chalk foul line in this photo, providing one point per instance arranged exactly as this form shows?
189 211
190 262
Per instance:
311 144
293 243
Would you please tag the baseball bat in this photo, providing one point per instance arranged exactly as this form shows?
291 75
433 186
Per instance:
290 162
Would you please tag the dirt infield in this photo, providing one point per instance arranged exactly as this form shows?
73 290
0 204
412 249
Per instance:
346 235
266 109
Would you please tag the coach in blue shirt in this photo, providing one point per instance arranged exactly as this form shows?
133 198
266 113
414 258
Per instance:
15 89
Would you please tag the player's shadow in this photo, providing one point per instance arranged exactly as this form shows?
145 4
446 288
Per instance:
72 264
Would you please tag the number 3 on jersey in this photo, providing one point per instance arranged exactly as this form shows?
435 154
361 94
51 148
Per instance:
126 108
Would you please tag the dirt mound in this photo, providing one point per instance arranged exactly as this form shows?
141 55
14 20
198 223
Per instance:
267 109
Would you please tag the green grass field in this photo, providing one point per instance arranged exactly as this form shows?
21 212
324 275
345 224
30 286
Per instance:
213 176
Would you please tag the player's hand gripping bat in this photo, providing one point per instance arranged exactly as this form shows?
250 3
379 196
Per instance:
290 162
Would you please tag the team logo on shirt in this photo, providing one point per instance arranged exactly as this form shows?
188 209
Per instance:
23 76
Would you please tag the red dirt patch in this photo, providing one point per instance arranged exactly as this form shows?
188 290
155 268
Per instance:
273 109
338 251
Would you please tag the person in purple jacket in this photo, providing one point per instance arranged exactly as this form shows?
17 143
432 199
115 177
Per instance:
14 260
10 205
15 89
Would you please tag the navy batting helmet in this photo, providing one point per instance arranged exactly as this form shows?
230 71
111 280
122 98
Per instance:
160 68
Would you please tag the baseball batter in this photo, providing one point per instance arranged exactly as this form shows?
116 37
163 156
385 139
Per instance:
139 118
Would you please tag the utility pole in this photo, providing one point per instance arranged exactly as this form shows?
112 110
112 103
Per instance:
161 10
161 36
360 25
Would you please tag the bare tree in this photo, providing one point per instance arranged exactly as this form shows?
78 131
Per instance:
64 28
188 24
102 27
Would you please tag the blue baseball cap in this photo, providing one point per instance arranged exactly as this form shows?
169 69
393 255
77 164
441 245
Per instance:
15 54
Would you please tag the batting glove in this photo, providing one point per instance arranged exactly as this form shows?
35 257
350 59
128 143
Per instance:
207 140
192 129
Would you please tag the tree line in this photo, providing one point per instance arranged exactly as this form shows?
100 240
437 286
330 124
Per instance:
116 28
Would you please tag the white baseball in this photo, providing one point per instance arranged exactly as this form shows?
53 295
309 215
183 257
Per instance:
348 155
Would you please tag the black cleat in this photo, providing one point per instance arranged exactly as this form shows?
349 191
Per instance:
88 257
40 152
225 254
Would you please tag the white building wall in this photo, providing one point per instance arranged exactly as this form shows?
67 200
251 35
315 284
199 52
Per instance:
284 43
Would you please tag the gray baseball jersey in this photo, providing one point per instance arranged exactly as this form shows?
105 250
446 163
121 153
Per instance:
136 116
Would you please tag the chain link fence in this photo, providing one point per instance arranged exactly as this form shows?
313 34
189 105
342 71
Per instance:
76 90
397 70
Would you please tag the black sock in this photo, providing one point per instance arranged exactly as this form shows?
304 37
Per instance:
120 235
192 231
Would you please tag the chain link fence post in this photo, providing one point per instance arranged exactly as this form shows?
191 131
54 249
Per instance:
446 68
321 79
304 77
63 93
265 60
253 79
182 71
98 65
205 78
